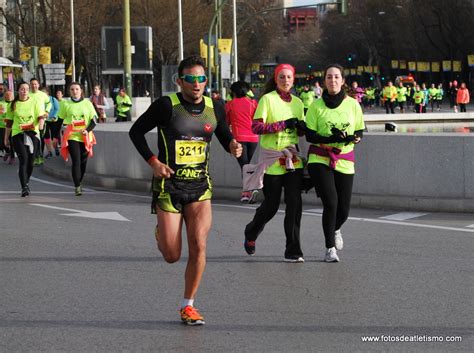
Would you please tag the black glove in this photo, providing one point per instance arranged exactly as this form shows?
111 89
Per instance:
291 123
301 125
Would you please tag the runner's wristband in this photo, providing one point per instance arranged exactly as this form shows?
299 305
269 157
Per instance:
152 159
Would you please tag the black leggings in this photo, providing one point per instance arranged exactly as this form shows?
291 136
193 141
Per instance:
335 191
2 139
25 157
391 106
53 129
248 149
78 153
272 185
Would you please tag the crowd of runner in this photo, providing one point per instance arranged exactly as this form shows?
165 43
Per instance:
328 116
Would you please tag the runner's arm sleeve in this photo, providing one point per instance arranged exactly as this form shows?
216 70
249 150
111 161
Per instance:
222 130
260 128
157 115
91 125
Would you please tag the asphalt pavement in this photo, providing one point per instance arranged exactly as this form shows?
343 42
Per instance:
82 274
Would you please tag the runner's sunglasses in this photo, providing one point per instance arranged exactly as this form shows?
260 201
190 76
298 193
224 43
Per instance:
193 78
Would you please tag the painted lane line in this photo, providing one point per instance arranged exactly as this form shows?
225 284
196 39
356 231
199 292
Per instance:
471 226
403 216
56 184
314 210
419 225
113 216
87 189
38 192
374 220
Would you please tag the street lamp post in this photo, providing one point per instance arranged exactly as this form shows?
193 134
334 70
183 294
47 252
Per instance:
180 31
73 55
234 41
127 48
209 36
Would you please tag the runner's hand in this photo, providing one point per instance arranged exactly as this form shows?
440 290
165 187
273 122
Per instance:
235 148
161 170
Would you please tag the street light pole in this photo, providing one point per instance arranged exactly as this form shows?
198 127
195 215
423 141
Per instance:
73 54
180 31
209 36
127 48
234 41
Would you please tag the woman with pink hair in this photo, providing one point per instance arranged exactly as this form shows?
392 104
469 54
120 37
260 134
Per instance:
278 120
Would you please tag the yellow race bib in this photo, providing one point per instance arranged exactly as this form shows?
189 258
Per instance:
190 152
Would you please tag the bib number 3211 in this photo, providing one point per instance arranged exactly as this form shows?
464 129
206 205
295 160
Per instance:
190 152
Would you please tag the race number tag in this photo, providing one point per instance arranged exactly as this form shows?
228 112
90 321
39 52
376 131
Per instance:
79 123
27 127
190 152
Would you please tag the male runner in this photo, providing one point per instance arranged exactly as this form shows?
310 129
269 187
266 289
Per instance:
182 186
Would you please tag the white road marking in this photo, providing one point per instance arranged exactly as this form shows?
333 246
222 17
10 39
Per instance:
372 220
314 210
114 216
51 183
38 192
306 213
403 216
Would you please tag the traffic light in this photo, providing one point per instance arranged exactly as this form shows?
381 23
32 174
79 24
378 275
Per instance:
371 78
310 66
349 58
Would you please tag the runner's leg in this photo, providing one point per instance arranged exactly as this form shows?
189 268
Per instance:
198 218
169 230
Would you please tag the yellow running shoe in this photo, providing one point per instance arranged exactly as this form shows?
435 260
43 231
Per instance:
191 316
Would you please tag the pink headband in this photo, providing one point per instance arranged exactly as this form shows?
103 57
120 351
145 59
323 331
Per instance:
283 67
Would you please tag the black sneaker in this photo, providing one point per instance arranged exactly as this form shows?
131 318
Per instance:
249 246
56 151
25 191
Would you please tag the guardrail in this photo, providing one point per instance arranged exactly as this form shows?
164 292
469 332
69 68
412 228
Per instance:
407 171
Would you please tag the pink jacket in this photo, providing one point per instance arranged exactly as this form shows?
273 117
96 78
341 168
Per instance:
239 112
463 96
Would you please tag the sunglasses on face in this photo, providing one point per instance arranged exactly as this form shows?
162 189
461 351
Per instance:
194 78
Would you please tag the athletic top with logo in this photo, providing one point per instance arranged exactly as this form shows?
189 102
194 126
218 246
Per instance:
401 94
347 117
271 108
389 93
418 97
3 107
307 98
124 104
62 107
185 131
25 116
79 114
43 98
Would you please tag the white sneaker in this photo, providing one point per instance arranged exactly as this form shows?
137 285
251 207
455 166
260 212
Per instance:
253 197
331 255
245 196
338 240
294 259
